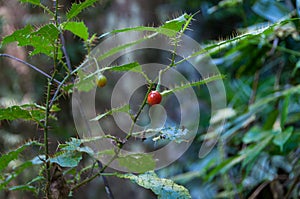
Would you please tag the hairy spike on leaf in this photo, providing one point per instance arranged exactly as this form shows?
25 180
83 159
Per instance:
34 2
197 83
78 8
32 112
125 108
43 39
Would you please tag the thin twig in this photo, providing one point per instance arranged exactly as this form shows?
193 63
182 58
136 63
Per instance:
105 181
259 189
30 65
63 43
296 181
254 87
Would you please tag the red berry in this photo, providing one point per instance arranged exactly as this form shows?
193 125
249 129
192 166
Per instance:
154 97
101 81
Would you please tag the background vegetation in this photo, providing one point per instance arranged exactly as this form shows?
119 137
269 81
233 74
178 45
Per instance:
254 43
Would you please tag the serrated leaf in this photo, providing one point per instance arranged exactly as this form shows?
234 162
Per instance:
71 153
138 163
77 28
67 159
42 40
34 2
77 8
25 112
5 159
124 109
163 188
21 36
282 137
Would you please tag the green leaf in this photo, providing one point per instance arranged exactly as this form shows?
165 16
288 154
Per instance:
124 109
134 66
255 134
42 40
284 110
25 112
188 85
85 83
77 8
138 28
67 159
71 153
224 166
34 2
254 150
170 28
13 174
296 68
21 36
282 137
138 163
175 25
77 28
271 120
224 4
270 10
23 188
5 159
163 188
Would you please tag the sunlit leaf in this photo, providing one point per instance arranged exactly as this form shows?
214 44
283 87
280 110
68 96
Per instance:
77 28
138 163
163 188
42 39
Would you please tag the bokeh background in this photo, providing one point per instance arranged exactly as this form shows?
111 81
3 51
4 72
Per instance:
215 21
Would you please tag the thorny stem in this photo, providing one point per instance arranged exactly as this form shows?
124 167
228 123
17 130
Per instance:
48 107
120 145
48 177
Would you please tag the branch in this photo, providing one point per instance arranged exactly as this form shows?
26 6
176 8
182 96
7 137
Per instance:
29 65
107 187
